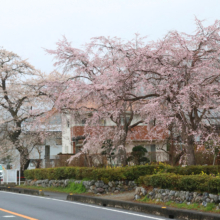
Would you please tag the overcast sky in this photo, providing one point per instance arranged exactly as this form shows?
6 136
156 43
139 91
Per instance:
27 26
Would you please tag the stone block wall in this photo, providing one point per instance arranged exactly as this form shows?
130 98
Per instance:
166 195
91 185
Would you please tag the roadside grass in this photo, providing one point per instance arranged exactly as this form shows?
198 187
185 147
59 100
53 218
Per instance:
71 188
80 188
193 206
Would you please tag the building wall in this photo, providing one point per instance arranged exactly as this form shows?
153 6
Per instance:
137 137
156 146
138 133
54 150
66 134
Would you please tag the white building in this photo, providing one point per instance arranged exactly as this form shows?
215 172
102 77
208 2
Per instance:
73 127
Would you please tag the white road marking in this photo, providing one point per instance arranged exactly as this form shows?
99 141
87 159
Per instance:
8 216
83 204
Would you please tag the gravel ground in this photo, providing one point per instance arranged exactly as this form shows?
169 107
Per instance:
126 196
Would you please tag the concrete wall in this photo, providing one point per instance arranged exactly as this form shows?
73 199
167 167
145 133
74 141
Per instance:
73 126
67 122
54 150
158 153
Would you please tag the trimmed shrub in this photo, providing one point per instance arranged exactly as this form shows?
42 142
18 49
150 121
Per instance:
164 180
201 183
93 173
113 174
193 170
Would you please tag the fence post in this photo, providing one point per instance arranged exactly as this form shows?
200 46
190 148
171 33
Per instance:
7 176
19 177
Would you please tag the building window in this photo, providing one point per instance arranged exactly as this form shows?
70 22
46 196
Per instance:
217 127
32 163
103 122
58 141
152 123
79 145
151 152
55 120
47 152
42 142
127 118
83 121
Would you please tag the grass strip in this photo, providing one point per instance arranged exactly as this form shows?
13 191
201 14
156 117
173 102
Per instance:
211 207
71 188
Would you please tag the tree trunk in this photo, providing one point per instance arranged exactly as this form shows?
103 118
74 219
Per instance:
190 153
24 159
214 159
123 156
121 151
37 163
171 153
177 157
172 148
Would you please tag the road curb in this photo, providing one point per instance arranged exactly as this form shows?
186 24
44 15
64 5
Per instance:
23 191
167 212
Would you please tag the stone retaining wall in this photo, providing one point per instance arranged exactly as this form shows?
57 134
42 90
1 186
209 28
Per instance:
166 195
91 185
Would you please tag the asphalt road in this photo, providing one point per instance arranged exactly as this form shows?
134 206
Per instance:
20 206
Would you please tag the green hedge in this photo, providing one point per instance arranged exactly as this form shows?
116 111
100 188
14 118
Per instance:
190 170
201 183
119 173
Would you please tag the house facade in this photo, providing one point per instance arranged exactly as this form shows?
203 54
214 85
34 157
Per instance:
44 154
73 137
65 137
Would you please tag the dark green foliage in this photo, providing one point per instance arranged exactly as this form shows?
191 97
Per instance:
72 187
118 173
201 183
164 180
138 155
93 173
190 170
75 188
